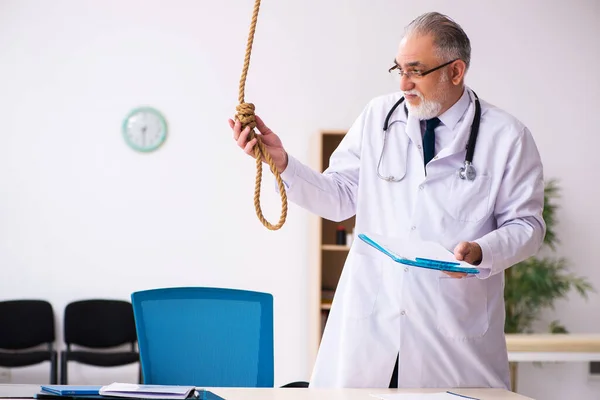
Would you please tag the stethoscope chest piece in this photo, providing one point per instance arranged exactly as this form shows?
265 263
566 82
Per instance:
467 172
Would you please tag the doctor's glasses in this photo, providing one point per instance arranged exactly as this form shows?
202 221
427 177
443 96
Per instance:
414 74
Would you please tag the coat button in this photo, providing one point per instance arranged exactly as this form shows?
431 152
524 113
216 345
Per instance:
412 228
421 187
402 312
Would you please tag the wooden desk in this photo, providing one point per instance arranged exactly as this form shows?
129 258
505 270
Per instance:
24 391
351 394
553 347
549 347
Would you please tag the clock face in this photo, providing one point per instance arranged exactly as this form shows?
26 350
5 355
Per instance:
145 129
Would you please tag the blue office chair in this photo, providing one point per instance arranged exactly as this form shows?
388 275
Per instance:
207 337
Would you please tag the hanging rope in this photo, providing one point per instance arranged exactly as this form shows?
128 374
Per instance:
245 114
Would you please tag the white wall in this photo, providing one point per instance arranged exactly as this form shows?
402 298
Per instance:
82 215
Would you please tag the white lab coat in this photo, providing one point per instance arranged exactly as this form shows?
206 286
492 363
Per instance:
448 332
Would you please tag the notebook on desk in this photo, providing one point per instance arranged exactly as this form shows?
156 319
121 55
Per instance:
124 391
200 394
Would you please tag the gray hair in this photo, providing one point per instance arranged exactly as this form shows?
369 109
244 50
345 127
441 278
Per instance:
449 38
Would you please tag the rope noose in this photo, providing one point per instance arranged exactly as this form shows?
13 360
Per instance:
245 114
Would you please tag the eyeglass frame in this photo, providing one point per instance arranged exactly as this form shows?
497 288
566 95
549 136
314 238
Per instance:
410 74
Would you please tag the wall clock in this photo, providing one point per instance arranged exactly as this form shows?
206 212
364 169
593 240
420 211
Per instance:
145 129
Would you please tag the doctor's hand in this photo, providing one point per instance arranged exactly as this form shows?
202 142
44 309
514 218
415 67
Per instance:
469 252
271 141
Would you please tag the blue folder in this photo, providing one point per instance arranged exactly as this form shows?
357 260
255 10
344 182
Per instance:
65 392
421 262
70 390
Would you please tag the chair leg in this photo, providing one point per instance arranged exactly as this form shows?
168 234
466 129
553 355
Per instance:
63 368
54 368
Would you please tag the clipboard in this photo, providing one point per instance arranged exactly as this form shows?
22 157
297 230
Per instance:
430 262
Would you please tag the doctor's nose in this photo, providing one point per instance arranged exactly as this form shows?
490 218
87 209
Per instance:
406 84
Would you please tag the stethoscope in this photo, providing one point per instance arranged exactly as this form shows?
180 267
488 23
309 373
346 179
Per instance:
465 172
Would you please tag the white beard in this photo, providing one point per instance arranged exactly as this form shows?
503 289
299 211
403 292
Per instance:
428 109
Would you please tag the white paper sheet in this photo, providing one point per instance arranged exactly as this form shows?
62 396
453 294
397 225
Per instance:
421 396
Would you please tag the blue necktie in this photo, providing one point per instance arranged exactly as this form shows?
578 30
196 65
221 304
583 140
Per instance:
429 139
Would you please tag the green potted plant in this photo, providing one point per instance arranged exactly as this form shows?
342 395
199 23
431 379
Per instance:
537 282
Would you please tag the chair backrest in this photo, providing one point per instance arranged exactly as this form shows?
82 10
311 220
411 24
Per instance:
25 324
209 337
99 323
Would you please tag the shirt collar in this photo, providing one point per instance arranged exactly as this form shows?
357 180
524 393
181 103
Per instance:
454 114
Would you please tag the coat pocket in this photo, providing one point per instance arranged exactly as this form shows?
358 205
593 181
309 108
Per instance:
461 307
362 286
470 200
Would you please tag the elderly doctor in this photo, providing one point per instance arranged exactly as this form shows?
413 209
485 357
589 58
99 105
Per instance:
415 327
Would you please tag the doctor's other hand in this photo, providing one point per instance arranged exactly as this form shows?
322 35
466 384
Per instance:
271 141
469 252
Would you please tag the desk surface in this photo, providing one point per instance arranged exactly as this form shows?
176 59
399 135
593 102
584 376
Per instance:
570 342
27 391
351 394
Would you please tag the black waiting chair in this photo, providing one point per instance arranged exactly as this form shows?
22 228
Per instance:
97 327
25 326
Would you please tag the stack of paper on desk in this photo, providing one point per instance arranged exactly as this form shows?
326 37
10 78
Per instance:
130 390
417 253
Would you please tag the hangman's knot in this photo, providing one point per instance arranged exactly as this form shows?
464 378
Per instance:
245 114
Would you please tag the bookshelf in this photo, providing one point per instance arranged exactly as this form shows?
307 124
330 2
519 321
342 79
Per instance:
331 256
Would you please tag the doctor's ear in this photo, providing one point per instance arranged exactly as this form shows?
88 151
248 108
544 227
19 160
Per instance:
457 72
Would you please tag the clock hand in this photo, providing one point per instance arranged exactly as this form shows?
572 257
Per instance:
144 134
